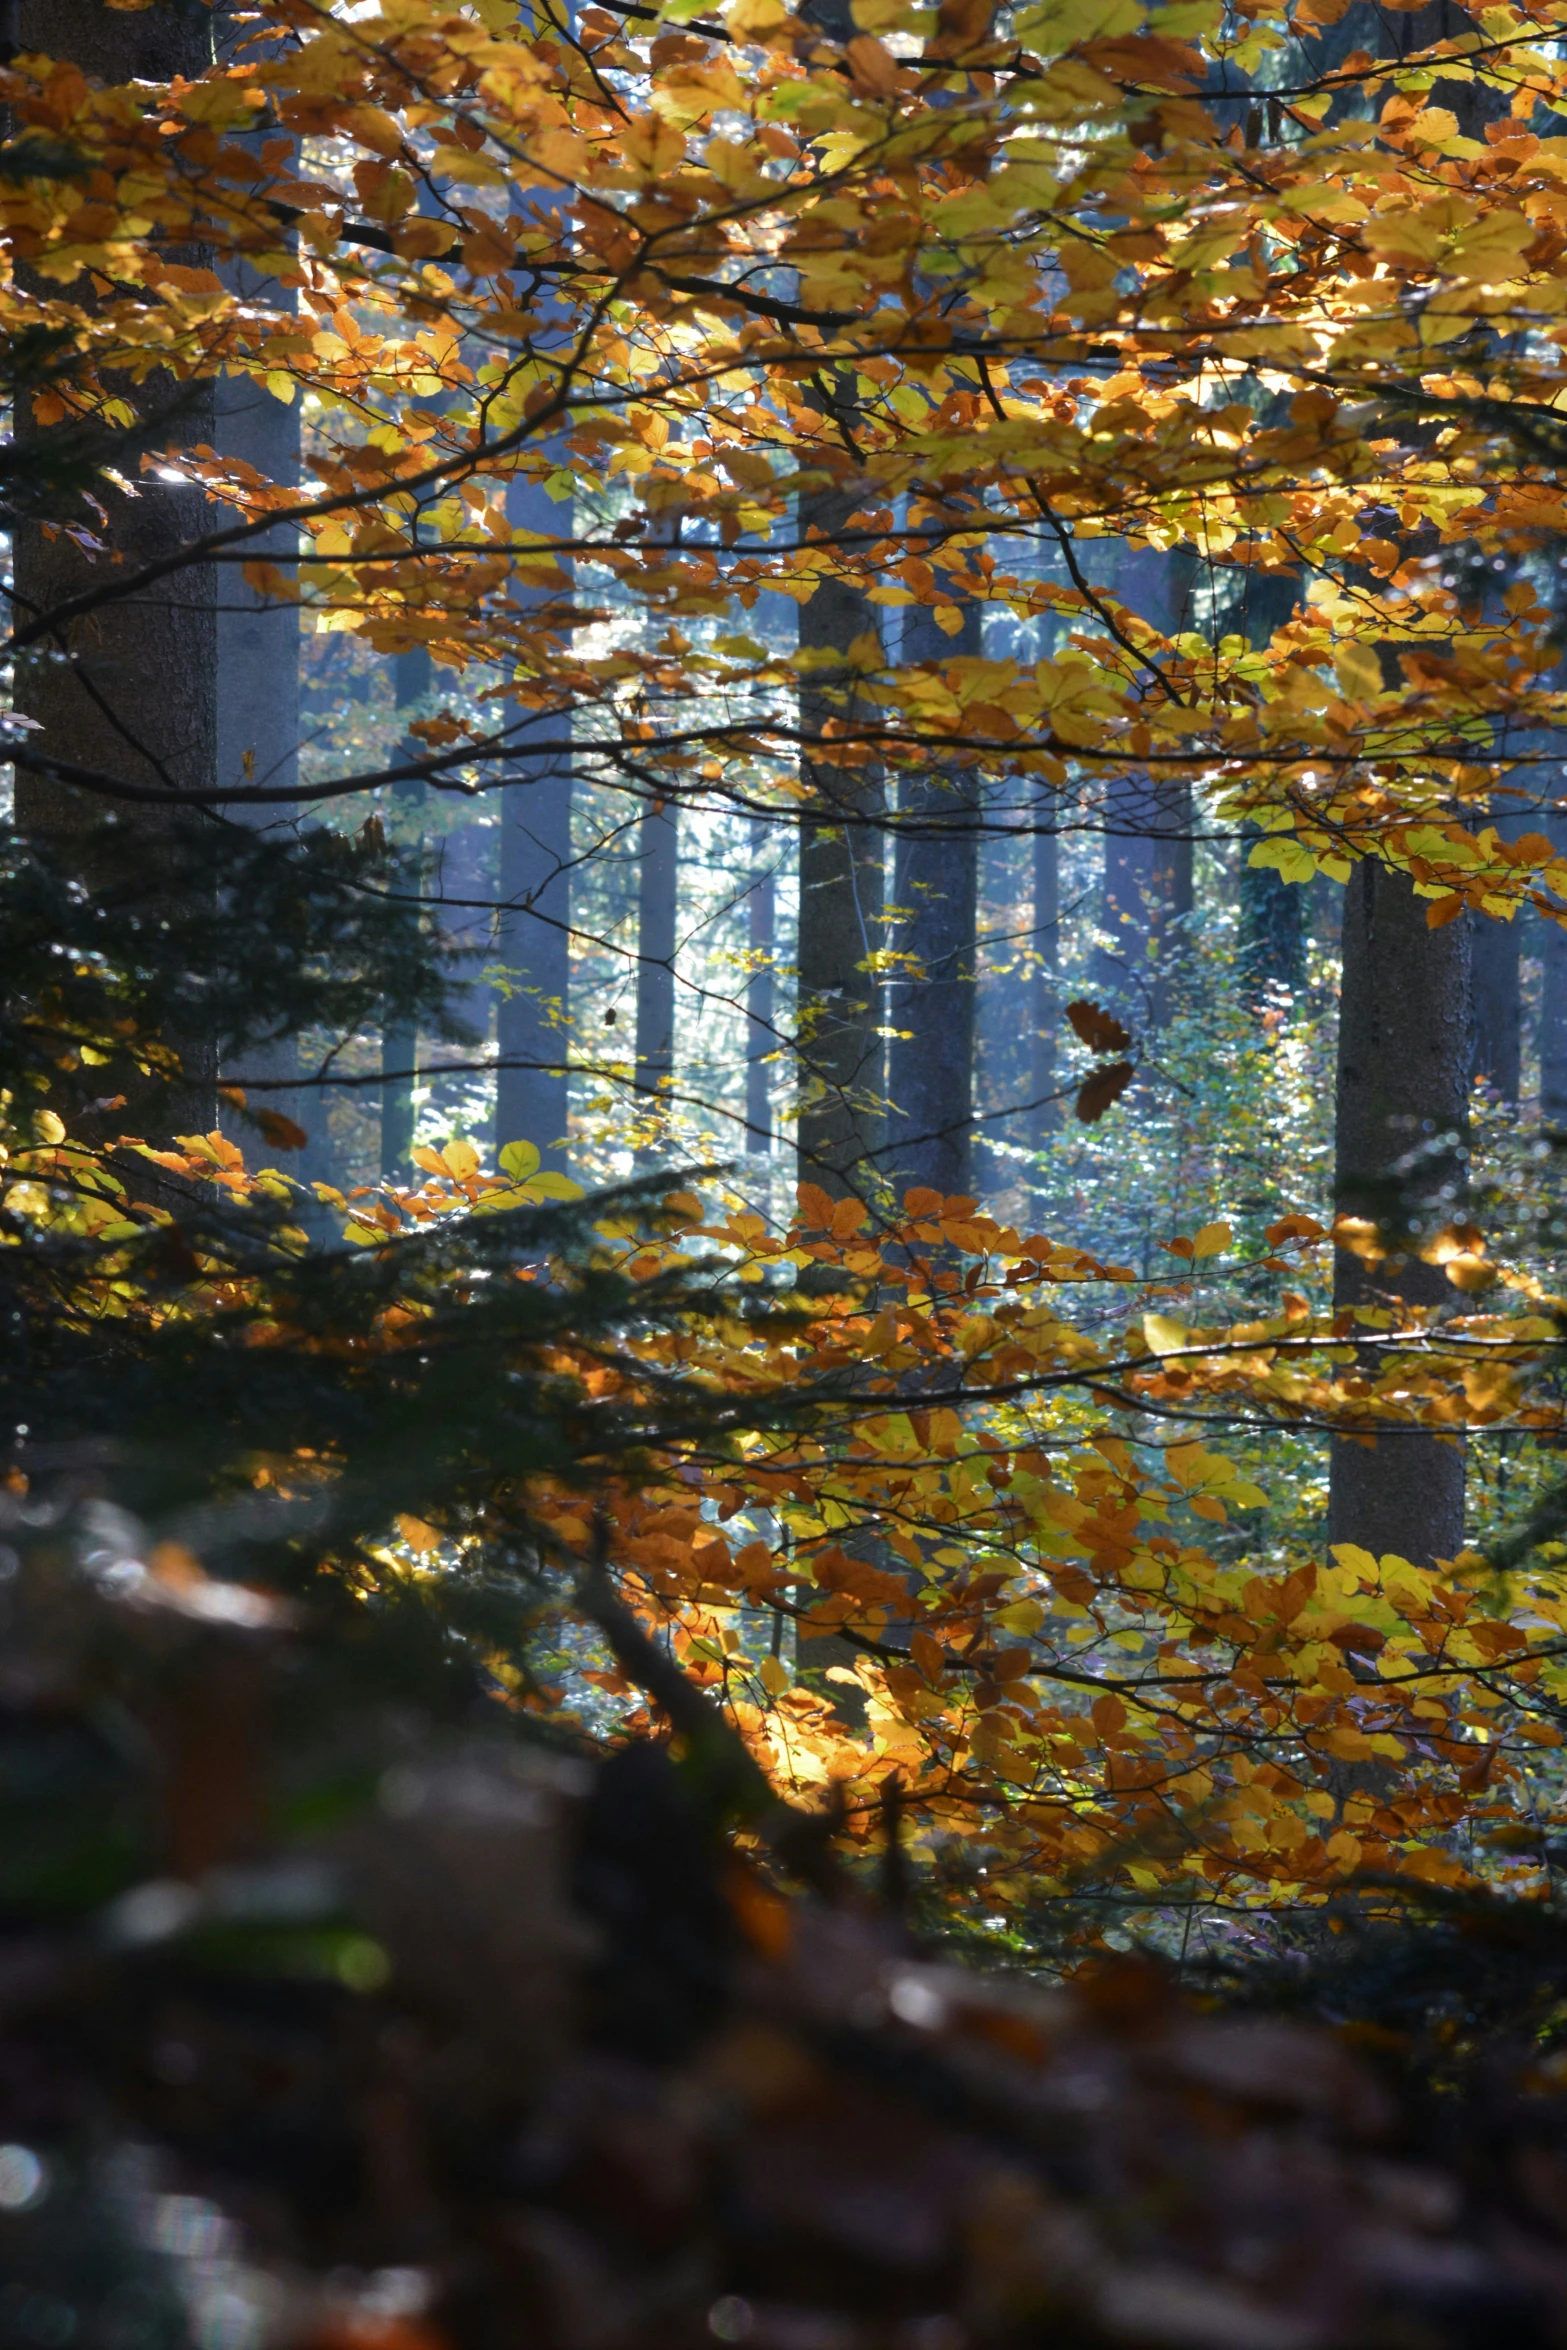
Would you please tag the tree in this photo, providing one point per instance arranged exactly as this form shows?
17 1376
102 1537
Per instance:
1003 314
1045 992
842 883
931 1004
658 903
1148 822
130 687
400 1040
1404 1058
760 1033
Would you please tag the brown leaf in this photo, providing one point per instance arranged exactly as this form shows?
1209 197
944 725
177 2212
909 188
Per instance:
281 1132
1100 1030
1103 1087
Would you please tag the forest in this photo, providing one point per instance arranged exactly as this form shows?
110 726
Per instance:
783 1175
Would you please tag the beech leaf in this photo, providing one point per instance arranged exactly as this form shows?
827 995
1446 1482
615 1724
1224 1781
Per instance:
1100 1030
1104 1086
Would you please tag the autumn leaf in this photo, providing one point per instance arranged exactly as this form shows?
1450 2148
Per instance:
1100 1030
1098 1091
282 1133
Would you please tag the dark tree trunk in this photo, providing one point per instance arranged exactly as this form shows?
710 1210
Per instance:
1553 1027
1045 978
760 1033
1273 911
841 898
533 957
1272 927
1403 1085
258 648
533 921
658 899
400 1039
128 690
1498 988
1498 1006
930 1080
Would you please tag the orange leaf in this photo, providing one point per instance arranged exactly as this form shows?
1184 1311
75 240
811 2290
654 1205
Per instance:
485 253
816 1208
927 1655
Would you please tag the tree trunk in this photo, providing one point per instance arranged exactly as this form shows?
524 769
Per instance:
1273 911
841 897
533 954
258 644
658 898
400 1039
533 923
1553 1026
130 688
1498 1048
1147 891
462 886
760 1036
1045 979
932 1001
1403 1083
1498 988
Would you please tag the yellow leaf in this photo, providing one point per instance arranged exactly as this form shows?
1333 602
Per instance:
773 1675
461 1159
372 127
1212 1240
1359 672
1491 251
1164 1334
1288 857
420 1537
549 1185
518 1159
751 20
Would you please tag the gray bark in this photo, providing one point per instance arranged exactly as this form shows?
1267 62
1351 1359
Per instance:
1553 1027
533 954
1498 986
841 898
400 1039
1498 1006
1402 1099
1273 912
930 1079
533 923
128 690
258 657
658 897
1045 979
760 1036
